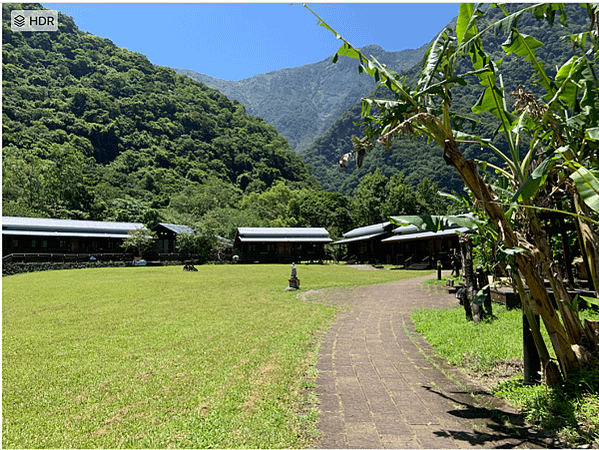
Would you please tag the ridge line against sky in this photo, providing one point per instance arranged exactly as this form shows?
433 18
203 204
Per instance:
234 41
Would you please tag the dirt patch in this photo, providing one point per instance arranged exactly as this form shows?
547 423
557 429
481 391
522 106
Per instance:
503 371
336 296
363 267
46 308
312 294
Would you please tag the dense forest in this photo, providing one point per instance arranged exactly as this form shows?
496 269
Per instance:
94 131
417 158
88 126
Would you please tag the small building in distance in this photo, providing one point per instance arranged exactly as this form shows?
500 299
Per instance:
44 238
364 243
166 234
280 245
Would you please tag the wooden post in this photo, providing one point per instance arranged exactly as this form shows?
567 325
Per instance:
532 361
468 272
567 257
483 280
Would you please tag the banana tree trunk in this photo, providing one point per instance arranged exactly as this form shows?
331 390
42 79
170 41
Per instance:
527 264
530 315
569 315
589 242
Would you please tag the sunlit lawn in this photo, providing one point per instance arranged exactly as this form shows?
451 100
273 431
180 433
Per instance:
155 357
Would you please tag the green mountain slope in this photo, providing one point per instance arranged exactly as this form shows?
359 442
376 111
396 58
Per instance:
91 130
418 159
303 102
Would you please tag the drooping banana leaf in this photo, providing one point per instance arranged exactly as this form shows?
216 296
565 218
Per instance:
587 184
435 223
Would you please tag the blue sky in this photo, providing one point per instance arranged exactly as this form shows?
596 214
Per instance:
233 41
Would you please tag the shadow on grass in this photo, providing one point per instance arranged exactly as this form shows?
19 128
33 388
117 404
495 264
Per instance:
558 408
502 425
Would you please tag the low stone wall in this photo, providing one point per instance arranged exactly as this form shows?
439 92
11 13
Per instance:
13 268
24 267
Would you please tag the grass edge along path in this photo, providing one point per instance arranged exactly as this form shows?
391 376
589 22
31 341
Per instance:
487 349
156 357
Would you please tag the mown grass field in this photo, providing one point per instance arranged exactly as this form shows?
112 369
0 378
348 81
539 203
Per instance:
155 357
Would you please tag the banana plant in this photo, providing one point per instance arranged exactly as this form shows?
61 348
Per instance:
563 145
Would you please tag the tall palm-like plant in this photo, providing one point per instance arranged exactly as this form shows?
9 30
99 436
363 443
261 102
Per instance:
562 155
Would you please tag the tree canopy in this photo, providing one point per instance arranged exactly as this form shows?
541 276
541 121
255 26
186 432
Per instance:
88 126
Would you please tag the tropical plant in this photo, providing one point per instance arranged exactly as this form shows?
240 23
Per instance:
556 172
139 240
197 242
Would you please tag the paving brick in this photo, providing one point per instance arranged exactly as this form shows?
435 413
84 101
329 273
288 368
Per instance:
329 403
363 435
419 418
393 441
354 413
382 405
374 390
391 424
348 383
344 371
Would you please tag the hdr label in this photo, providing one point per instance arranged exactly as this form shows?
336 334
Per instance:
33 20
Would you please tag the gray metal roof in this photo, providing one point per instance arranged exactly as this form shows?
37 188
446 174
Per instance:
406 229
282 232
311 240
367 230
279 234
176 228
12 225
63 234
358 238
424 235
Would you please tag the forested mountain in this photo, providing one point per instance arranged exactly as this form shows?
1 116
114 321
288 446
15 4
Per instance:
91 130
94 131
303 102
418 159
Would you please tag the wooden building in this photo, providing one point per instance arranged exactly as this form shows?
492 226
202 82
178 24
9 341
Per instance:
166 234
386 243
48 237
416 249
280 245
364 244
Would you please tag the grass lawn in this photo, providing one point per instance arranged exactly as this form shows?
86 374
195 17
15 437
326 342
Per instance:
155 357
490 347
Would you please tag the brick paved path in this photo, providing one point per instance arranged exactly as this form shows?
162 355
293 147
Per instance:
379 387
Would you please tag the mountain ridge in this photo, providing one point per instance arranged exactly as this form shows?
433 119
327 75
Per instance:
303 102
417 158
